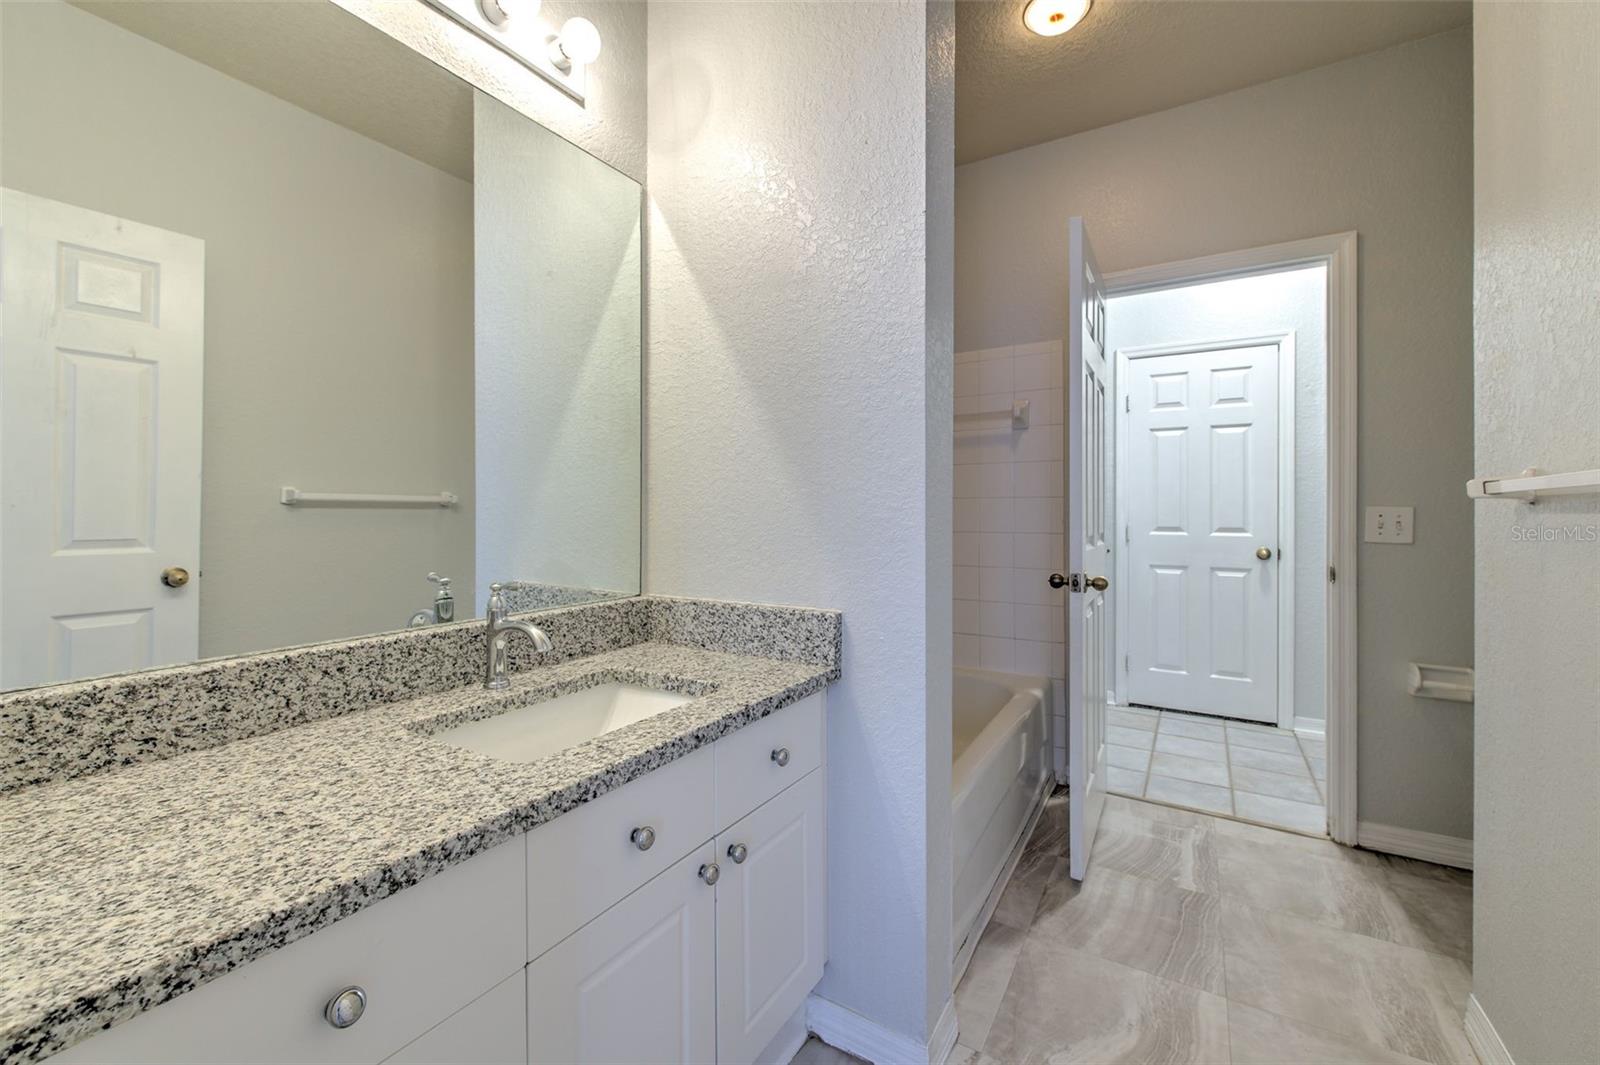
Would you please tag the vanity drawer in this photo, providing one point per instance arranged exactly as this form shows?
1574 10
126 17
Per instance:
587 859
763 758
418 956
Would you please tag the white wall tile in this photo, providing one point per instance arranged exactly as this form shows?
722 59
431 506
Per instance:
996 584
1040 369
997 515
967 617
1038 443
994 619
1033 586
967 654
996 549
997 653
967 516
1037 480
965 548
1035 621
1046 406
978 403
992 481
1037 516
1034 658
966 582
1038 551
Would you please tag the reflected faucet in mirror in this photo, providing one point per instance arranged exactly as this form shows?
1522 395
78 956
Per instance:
444 605
499 627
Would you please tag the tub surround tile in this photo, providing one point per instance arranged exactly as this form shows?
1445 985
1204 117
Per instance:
72 730
237 824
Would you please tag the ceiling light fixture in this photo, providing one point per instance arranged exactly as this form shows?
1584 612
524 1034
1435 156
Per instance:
579 42
1052 18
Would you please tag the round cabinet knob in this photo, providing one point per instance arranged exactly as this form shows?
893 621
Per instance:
174 576
346 1008
1099 584
710 873
738 852
644 837
1263 553
1057 581
781 756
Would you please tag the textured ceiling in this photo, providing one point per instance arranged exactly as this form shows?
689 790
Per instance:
1135 57
320 58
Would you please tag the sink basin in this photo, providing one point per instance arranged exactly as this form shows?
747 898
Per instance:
530 733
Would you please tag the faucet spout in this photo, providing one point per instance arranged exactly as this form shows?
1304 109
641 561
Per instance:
499 626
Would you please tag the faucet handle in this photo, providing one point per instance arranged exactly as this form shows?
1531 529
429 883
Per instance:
442 582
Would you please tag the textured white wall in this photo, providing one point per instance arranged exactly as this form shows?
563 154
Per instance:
338 318
1380 144
797 414
1536 910
1257 306
557 370
609 124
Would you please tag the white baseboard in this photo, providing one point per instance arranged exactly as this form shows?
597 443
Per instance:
854 1034
1409 843
787 1043
1311 726
1484 1039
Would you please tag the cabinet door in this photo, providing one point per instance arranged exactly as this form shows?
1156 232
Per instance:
771 937
636 984
490 1030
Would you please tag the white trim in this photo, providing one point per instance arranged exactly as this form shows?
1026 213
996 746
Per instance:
1311 726
1338 252
847 1030
1485 1041
1410 843
1284 343
970 944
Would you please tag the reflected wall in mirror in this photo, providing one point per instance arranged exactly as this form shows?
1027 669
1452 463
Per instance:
250 247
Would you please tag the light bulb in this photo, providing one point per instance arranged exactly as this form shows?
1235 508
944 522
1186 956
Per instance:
1052 18
499 12
579 41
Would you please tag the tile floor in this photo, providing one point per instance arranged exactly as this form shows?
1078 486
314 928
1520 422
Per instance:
1254 772
1199 939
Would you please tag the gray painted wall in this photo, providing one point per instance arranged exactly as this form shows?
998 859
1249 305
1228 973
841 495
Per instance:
798 389
1380 144
1536 904
338 341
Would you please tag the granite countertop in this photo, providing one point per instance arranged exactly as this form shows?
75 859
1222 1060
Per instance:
122 890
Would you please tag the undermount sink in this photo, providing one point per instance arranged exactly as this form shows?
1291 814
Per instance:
541 729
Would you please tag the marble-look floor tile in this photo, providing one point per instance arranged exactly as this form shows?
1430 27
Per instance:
1279 785
1191 748
1348 896
1186 768
1456 976
1127 757
1125 781
984 983
1231 833
1371 990
1300 816
1319 767
1189 793
1147 925
1261 1038
1143 720
965 1055
1316 747
1282 742
1066 1006
1271 761
815 1052
1129 737
1178 855
1180 725
1438 913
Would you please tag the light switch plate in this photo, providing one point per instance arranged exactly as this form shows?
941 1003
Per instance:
1389 525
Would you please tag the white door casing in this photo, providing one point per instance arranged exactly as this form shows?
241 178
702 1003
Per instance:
100 406
1088 556
1201 500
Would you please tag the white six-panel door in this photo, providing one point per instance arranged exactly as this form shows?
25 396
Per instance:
1088 554
1201 504
100 370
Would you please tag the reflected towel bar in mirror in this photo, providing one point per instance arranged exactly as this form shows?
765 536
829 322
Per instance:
293 497
1015 418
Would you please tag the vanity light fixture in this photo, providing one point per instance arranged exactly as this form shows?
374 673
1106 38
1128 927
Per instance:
578 42
499 12
1052 18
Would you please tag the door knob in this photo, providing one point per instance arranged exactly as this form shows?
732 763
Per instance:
1263 553
1099 584
174 576
1057 580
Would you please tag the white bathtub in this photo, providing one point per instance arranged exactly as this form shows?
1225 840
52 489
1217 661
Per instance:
1001 764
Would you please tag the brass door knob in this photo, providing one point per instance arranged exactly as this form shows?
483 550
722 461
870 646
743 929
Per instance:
1263 553
174 576
1099 584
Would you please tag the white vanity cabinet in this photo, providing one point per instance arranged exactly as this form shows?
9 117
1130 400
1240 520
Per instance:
679 918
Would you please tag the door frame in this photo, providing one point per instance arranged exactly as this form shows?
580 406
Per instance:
1337 252
1284 343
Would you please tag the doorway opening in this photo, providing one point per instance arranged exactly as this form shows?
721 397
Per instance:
1228 634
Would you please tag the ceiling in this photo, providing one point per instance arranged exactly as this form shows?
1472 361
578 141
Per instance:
1134 57
323 59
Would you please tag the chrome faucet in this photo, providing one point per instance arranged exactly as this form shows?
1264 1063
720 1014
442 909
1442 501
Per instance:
500 626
